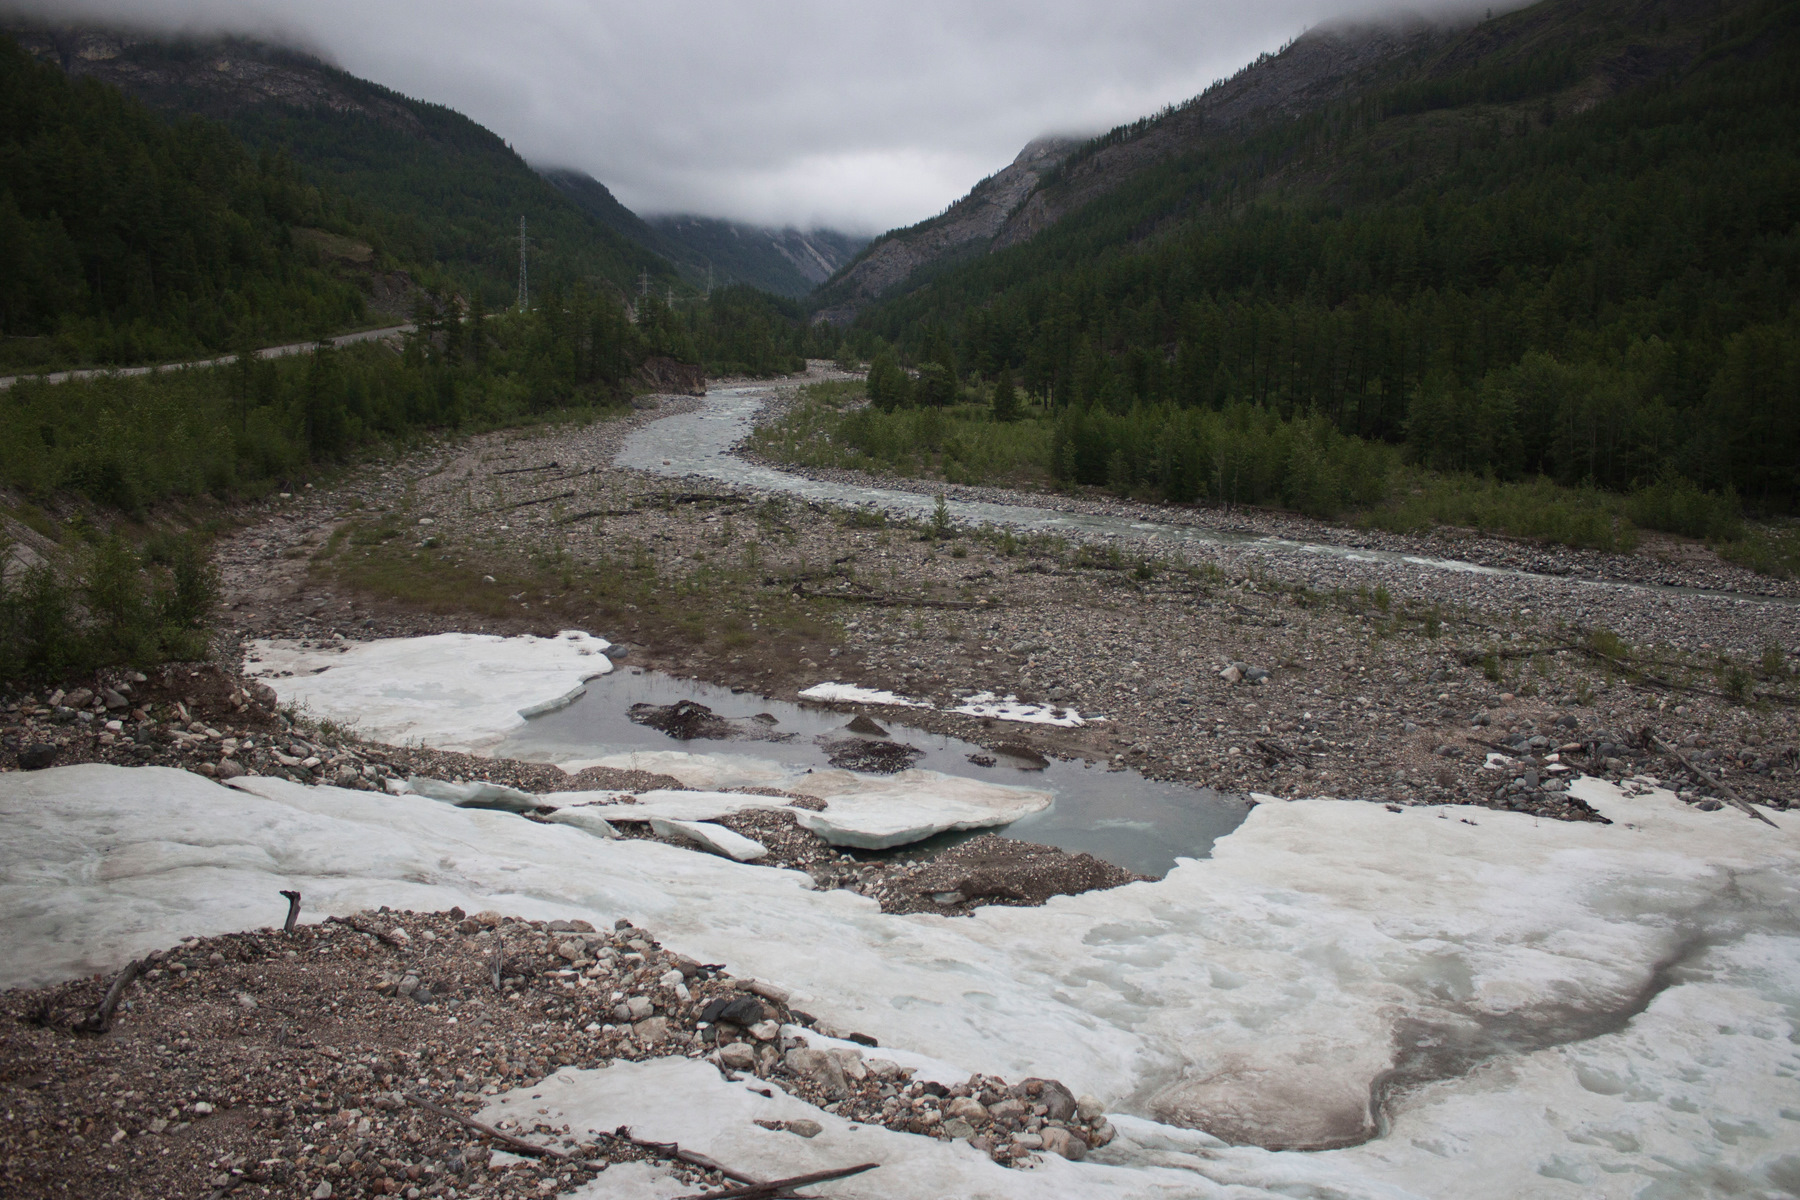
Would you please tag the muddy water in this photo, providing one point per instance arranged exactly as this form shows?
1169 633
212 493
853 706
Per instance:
1140 824
699 443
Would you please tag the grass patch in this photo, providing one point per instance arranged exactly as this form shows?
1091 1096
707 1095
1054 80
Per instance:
708 607
1772 549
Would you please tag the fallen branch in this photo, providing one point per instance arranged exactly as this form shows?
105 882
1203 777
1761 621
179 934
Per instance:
780 1185
293 899
100 1020
1276 751
622 1134
1718 785
599 512
387 935
524 470
1644 676
517 1143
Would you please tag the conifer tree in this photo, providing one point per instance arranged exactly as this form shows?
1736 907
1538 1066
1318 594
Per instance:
1006 399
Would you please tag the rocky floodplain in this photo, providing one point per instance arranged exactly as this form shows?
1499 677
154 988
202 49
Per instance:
1383 680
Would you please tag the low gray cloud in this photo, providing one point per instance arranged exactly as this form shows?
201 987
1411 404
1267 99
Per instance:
860 116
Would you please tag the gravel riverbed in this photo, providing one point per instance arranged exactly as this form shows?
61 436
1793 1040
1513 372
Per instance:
264 1063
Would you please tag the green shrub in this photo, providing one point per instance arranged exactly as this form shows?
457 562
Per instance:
1674 505
108 604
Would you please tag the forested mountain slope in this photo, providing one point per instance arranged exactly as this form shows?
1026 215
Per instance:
124 237
1052 176
1566 240
430 185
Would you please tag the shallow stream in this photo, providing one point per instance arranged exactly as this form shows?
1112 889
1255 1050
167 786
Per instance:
1140 824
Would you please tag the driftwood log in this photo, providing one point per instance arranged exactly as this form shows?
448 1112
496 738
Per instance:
1719 785
775 1187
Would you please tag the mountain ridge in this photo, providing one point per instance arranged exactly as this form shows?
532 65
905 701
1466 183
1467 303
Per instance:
447 189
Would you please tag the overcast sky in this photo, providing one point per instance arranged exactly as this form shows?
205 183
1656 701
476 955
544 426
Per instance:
856 114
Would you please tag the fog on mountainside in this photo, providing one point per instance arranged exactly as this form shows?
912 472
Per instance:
857 118
712 252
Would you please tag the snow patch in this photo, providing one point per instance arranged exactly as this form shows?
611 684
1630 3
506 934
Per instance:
688 1102
451 691
663 804
1260 995
473 794
713 838
874 812
849 693
869 811
1009 708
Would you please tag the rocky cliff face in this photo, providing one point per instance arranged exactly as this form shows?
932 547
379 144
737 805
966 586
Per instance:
969 226
215 76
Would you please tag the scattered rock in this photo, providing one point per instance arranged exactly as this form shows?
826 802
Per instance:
37 756
740 1010
739 1056
1058 1101
818 1068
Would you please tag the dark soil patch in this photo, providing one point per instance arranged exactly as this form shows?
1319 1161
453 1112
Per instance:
686 720
874 757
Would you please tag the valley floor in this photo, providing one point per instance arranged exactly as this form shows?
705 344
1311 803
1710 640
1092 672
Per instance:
1388 680
1459 1001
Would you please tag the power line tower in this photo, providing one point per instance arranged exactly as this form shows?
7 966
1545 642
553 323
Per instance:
643 283
524 281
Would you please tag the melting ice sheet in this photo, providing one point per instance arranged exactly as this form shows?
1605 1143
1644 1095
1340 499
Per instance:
456 691
870 812
1548 1009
